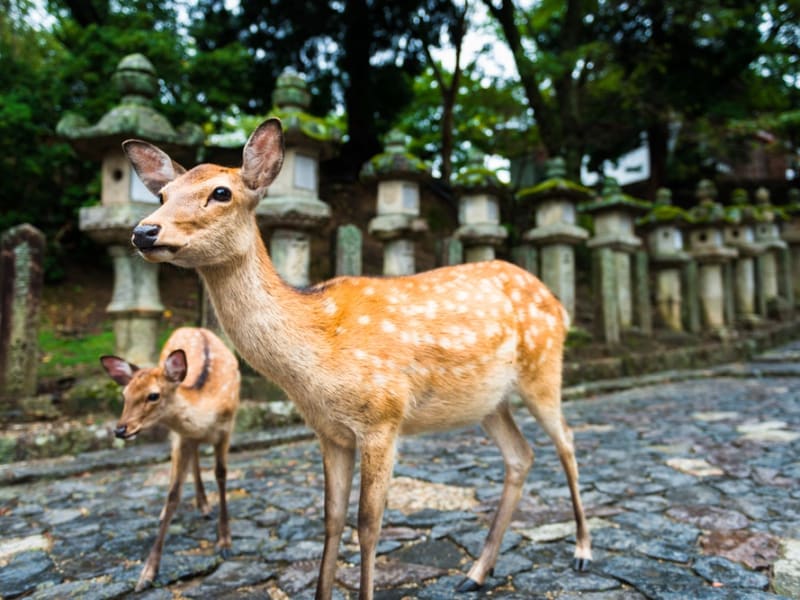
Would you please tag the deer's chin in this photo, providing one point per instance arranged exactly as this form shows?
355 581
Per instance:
158 254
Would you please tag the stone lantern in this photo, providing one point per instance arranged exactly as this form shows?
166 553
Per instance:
774 264
292 208
124 200
479 192
743 218
707 247
613 245
556 232
397 223
662 226
791 235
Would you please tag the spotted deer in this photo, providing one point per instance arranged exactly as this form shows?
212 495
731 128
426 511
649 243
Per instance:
194 391
366 359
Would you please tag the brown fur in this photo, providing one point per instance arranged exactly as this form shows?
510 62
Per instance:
197 399
366 359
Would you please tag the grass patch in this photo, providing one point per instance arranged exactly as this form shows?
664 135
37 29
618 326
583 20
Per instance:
72 355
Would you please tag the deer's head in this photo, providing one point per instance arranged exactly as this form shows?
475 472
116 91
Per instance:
206 213
148 393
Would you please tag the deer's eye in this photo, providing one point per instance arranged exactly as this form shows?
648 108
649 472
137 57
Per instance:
153 396
221 194
161 198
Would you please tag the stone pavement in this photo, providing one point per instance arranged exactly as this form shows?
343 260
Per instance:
691 484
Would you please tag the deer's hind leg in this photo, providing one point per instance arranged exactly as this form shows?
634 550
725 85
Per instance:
221 474
518 458
542 396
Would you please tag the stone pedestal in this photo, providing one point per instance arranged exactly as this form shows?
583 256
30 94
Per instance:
707 247
739 233
398 175
292 210
135 305
669 301
667 258
556 233
349 242
21 280
479 191
775 263
614 214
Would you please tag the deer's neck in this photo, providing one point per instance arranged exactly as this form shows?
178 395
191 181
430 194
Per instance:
271 325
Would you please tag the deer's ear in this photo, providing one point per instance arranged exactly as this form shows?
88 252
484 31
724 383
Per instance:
262 157
118 369
155 168
175 366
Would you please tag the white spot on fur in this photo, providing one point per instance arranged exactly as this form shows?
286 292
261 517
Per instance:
388 326
515 295
370 291
330 306
359 354
363 320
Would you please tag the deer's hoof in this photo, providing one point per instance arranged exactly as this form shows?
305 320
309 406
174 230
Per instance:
581 564
143 584
225 553
468 585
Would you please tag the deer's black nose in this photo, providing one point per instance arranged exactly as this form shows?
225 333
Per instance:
145 236
120 431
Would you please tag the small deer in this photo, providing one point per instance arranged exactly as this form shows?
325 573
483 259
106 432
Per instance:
194 391
366 359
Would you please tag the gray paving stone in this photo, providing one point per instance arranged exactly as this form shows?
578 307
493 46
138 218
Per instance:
671 534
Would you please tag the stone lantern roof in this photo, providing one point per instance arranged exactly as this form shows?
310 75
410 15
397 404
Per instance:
134 117
769 212
291 100
555 185
396 162
741 211
612 197
708 211
663 212
475 178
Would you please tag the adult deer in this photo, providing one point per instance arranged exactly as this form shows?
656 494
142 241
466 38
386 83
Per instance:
366 359
194 391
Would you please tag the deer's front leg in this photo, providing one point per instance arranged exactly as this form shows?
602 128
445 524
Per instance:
181 456
221 473
377 460
338 462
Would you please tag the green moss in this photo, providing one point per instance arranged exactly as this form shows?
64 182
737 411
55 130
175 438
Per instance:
316 128
63 355
550 187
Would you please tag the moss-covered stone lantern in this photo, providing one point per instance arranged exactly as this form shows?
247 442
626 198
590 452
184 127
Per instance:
397 224
614 243
135 304
662 227
556 233
774 264
707 247
292 208
742 220
479 191
791 235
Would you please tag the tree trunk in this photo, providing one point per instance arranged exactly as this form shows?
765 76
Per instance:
363 141
657 140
